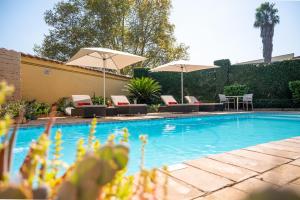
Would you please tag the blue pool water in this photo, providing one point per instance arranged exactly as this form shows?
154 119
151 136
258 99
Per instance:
175 140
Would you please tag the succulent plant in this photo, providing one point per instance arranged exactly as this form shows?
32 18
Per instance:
94 171
15 192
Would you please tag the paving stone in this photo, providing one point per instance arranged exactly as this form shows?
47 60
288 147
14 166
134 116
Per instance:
286 143
274 152
281 175
296 162
248 163
260 156
176 167
225 194
225 170
252 184
200 179
292 140
281 147
176 189
292 187
297 182
296 138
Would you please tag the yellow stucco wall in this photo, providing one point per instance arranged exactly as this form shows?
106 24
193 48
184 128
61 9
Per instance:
48 81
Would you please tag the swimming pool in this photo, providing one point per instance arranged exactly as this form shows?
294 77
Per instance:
172 141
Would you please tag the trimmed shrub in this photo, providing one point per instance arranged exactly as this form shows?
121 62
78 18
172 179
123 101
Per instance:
32 109
12 108
63 103
153 108
295 89
35 109
98 100
235 90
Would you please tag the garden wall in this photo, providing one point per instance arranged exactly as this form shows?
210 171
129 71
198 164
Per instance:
45 80
10 70
269 83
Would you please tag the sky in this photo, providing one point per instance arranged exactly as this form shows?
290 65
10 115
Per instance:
213 29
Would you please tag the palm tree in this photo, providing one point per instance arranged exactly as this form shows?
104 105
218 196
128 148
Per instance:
144 89
266 18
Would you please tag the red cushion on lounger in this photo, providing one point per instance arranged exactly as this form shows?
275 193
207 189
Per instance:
83 104
122 103
172 103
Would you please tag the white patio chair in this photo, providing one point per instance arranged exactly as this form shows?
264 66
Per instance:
248 99
224 100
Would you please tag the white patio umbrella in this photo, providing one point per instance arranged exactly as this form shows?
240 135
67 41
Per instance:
103 58
182 66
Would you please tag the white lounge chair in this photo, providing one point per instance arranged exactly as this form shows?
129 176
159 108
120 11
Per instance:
192 100
125 107
204 106
171 105
84 107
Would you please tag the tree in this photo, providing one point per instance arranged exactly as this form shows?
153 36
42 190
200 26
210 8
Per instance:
69 26
152 35
140 27
266 18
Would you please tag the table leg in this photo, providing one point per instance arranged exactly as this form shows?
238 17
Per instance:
237 104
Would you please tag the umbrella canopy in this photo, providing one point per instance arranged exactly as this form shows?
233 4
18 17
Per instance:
182 66
103 58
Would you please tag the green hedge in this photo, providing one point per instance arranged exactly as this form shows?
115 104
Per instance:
274 103
268 82
140 72
295 90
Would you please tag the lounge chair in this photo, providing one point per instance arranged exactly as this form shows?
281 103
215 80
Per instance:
84 107
204 106
171 105
125 108
192 100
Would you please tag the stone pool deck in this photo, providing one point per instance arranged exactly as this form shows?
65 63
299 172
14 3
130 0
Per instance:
233 175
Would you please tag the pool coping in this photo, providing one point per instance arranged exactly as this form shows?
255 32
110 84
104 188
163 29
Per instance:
277 166
120 119
150 116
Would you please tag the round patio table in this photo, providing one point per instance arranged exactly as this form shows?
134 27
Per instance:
237 100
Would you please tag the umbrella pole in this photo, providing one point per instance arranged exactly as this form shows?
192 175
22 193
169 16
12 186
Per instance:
182 85
104 66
